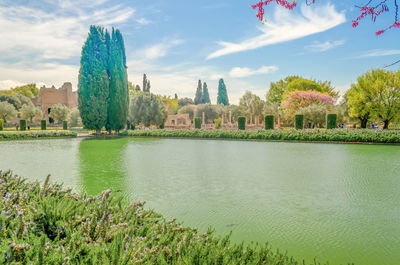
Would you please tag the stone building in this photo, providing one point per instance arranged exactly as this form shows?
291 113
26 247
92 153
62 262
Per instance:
49 96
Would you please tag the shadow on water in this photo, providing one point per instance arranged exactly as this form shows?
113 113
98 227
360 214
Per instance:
102 164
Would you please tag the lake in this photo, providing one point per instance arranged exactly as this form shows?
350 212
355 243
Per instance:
336 202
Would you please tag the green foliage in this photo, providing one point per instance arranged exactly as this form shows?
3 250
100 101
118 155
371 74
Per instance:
222 93
12 99
197 123
147 109
206 96
187 110
46 224
299 122
182 102
93 81
269 122
22 125
26 135
172 104
65 125
252 104
1 124
331 121
314 115
218 123
7 111
118 100
29 90
59 112
30 112
75 117
211 112
277 89
198 99
242 123
146 84
318 135
43 125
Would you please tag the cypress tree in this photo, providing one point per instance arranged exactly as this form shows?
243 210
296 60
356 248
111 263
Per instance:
146 84
198 99
206 96
118 101
222 93
93 80
137 88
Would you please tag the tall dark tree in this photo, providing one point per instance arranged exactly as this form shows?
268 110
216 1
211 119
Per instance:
222 93
137 88
93 80
206 95
118 101
198 99
146 84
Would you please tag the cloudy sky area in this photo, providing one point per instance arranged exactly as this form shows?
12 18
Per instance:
177 42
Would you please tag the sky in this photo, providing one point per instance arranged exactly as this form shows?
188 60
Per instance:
178 42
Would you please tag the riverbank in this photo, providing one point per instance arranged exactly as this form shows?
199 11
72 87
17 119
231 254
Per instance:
45 224
27 135
315 135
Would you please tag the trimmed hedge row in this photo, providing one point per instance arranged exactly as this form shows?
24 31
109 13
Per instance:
46 224
43 125
269 122
18 135
22 125
331 121
299 122
197 123
1 124
319 135
242 123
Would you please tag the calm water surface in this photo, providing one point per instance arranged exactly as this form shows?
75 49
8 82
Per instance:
335 202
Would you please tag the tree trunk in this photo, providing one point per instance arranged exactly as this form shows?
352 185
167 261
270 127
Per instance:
364 123
386 125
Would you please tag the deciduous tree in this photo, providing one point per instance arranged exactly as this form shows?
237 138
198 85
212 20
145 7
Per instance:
147 109
7 111
59 113
30 112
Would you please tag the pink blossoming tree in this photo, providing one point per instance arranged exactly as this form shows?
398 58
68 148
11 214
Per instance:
297 100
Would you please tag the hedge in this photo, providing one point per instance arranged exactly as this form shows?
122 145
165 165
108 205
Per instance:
65 125
307 135
197 122
242 123
22 125
1 124
269 122
43 125
47 224
18 135
299 122
331 121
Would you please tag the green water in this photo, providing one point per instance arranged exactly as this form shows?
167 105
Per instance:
335 202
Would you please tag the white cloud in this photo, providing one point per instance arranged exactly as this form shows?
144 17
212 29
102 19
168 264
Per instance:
157 50
286 26
238 72
377 53
325 46
7 84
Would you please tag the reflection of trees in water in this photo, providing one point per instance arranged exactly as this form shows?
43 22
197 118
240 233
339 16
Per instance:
102 164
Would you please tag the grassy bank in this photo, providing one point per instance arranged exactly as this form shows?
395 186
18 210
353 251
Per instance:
46 224
25 135
316 135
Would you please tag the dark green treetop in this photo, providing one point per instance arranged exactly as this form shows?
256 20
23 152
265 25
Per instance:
206 96
222 93
198 99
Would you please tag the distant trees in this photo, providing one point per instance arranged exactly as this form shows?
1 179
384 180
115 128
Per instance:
222 93
7 111
75 117
59 113
30 112
198 99
375 95
297 100
147 109
29 90
206 95
185 101
103 86
146 84
16 100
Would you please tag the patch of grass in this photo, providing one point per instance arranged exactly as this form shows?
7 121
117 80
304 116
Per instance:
50 225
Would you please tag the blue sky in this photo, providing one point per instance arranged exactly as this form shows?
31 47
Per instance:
178 42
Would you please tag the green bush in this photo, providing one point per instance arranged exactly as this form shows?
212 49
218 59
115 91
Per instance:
307 135
331 121
197 123
218 123
18 135
46 224
65 125
242 123
133 127
1 124
43 125
299 122
269 122
22 125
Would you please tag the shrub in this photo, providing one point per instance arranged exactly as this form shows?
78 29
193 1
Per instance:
22 125
299 122
218 123
1 124
242 123
133 127
197 123
269 122
13 135
65 125
43 125
331 121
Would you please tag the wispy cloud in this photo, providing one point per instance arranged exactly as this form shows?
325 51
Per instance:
325 46
377 53
286 26
238 72
158 50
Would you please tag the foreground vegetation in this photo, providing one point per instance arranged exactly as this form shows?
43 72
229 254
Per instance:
50 225
336 135
20 135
